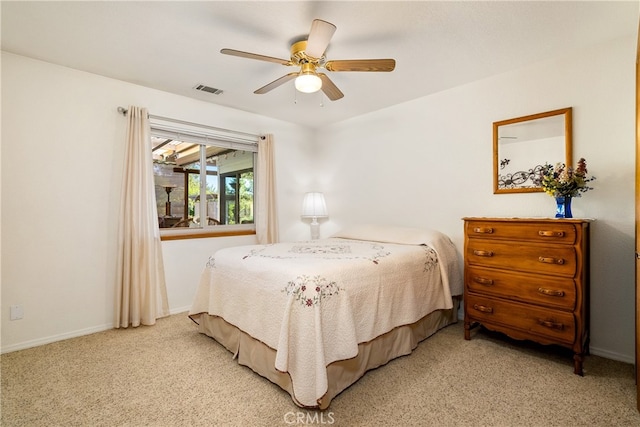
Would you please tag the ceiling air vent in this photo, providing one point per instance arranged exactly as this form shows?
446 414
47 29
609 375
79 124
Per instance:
204 88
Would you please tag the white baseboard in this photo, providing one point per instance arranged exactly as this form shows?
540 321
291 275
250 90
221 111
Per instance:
54 338
180 310
611 355
74 334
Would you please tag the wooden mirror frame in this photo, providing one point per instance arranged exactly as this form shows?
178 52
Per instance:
529 173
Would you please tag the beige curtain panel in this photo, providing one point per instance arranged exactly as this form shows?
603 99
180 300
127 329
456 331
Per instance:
141 294
267 218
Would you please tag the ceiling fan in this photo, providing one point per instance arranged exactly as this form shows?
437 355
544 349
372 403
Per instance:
309 55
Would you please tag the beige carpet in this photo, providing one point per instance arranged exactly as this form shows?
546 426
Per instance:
169 375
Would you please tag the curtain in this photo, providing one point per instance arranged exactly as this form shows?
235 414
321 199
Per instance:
267 219
141 295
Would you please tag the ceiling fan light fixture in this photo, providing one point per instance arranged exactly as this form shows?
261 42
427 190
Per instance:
308 81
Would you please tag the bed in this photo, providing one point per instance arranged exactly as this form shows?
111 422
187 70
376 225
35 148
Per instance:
314 316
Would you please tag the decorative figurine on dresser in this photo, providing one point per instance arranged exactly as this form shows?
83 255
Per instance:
529 279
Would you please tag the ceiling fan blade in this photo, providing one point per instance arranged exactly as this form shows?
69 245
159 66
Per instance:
330 89
242 54
319 38
274 84
361 65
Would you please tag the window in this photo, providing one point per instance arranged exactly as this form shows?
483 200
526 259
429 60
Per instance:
237 200
203 182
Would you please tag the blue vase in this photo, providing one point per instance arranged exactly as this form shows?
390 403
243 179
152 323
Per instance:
563 207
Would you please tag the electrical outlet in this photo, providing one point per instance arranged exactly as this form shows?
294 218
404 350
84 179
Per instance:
16 312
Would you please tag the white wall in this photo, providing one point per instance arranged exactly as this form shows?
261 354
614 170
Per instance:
423 163
429 163
62 154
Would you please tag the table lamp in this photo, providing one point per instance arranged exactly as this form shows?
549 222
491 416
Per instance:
314 207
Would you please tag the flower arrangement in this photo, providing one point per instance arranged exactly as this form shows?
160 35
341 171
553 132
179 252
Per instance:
563 181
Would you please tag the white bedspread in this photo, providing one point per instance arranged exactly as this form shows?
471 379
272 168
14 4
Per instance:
314 301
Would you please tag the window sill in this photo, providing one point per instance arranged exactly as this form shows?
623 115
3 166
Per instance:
202 233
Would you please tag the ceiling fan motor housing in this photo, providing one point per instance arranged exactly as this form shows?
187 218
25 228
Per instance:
299 55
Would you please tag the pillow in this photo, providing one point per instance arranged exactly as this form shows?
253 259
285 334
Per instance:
446 250
389 234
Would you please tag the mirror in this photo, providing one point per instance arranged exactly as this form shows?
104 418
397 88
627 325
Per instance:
521 146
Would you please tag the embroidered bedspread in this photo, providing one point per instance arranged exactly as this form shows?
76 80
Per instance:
314 301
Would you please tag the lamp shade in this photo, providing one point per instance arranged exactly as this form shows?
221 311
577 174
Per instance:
314 206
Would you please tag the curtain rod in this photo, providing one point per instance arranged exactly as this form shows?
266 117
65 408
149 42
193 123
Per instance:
124 112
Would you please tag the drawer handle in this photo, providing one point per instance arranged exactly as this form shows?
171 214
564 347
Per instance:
483 230
483 308
483 280
483 253
550 324
550 260
544 233
551 292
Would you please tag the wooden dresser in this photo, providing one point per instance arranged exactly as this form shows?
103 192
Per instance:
529 278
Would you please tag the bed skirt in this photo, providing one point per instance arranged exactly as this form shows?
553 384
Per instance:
341 374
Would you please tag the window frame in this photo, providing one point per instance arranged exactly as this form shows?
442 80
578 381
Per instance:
237 175
199 134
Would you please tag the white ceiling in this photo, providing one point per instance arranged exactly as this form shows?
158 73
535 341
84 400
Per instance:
172 46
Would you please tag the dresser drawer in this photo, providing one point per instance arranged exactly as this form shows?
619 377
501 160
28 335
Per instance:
554 325
557 292
557 260
545 232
